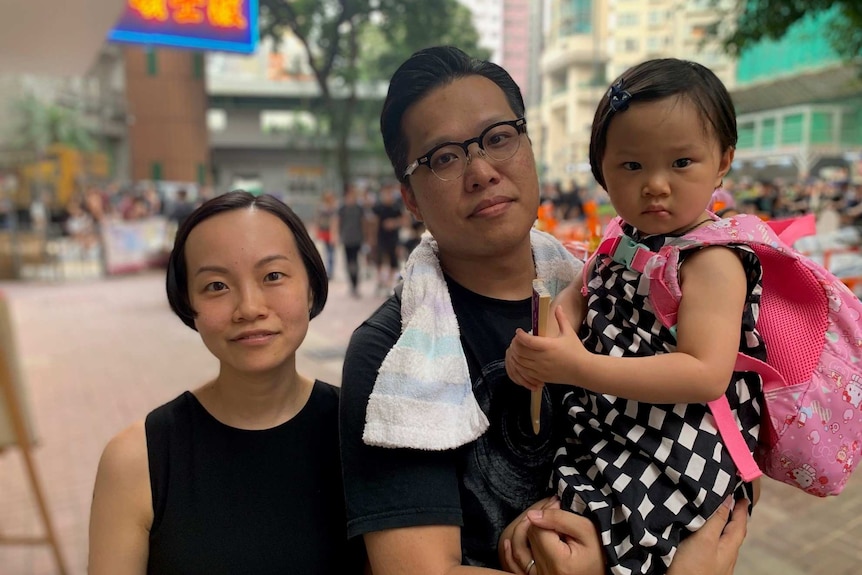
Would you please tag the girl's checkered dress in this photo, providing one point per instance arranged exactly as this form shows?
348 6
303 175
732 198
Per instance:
648 474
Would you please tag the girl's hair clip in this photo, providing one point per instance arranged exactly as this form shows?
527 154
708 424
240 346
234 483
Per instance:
619 98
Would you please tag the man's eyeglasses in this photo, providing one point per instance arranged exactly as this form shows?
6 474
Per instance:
448 160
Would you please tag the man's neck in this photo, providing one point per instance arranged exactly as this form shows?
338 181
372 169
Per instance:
506 277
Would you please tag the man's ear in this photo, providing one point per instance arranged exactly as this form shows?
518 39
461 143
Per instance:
410 201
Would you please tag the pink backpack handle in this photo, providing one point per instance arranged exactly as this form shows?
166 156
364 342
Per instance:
791 229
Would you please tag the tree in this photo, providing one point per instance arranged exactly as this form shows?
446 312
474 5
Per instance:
411 25
42 124
332 32
771 19
329 31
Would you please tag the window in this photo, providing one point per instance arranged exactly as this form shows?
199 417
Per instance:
288 121
156 171
745 137
152 62
202 174
216 120
630 45
767 133
576 17
198 65
791 129
628 19
821 127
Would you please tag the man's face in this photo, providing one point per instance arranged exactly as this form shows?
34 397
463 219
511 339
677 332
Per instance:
492 206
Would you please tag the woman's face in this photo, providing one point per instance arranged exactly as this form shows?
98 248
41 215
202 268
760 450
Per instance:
250 290
489 209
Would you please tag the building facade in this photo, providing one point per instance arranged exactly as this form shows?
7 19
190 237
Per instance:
268 132
799 108
167 103
588 43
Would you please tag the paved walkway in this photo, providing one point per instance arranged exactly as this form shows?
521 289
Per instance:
101 354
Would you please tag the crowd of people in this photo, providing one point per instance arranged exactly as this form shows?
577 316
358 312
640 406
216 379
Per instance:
769 199
374 231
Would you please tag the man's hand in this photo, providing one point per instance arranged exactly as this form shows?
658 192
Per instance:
560 542
714 549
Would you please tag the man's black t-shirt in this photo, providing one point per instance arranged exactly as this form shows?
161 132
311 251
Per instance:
482 486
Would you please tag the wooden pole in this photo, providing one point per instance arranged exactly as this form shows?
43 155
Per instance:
22 438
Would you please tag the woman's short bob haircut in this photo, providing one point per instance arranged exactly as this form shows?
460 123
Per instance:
662 78
177 280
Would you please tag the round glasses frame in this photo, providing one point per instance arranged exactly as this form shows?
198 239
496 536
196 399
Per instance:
519 124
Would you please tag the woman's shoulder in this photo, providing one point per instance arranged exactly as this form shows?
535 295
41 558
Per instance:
126 450
123 472
125 456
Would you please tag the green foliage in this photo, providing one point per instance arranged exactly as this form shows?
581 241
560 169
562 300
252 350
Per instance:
771 19
411 25
42 124
352 41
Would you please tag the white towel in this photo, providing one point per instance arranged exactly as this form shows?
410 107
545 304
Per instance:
423 396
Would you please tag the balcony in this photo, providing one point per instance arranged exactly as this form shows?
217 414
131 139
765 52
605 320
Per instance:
582 50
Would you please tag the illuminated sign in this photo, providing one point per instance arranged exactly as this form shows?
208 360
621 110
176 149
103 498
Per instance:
218 25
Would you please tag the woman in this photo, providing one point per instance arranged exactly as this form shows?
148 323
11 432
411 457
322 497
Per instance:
240 475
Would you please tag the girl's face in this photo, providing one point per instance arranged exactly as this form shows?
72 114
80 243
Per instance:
250 290
662 164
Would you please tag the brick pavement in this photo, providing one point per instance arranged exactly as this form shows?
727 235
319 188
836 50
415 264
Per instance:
101 354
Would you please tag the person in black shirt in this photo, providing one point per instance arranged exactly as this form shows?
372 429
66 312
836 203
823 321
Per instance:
242 474
389 217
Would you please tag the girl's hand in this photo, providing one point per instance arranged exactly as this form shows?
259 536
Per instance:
531 361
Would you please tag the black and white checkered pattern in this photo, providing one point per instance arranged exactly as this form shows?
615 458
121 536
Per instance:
648 475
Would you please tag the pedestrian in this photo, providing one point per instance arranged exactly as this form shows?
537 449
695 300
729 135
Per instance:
351 233
242 474
663 139
438 451
325 222
388 217
182 207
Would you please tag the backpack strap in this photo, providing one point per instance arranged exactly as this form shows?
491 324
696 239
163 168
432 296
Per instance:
791 229
733 440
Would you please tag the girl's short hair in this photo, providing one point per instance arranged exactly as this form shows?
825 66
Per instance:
177 277
658 79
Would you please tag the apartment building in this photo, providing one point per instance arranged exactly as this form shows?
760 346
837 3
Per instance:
799 108
588 43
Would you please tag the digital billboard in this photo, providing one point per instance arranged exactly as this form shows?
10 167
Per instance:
217 25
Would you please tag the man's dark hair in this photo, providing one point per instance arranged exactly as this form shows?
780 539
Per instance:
420 74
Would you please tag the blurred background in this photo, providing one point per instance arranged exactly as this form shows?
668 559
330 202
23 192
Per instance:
118 117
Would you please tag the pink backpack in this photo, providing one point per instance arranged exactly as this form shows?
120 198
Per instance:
811 433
